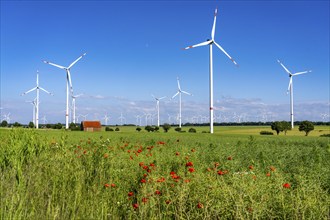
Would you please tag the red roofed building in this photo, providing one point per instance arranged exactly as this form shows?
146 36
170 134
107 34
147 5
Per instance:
91 126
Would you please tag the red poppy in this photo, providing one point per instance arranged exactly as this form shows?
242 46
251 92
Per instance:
106 185
161 142
139 150
251 167
177 153
220 172
161 180
200 205
267 174
141 164
157 192
287 185
209 169
189 164
113 185
144 200
168 201
191 169
186 181
216 164
272 168
135 205
193 150
130 194
229 158
143 180
172 173
145 167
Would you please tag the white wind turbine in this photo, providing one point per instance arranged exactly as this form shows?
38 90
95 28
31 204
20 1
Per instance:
210 43
37 99
74 107
68 83
179 93
122 118
106 118
157 106
34 104
290 87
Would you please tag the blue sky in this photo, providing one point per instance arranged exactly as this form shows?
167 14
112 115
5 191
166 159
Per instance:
134 49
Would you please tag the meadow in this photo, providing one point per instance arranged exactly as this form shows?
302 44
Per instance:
234 173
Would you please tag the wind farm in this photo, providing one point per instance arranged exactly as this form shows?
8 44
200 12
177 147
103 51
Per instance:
146 129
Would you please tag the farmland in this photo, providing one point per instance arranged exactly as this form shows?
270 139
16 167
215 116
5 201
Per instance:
232 174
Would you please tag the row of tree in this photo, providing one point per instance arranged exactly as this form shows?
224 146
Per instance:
284 126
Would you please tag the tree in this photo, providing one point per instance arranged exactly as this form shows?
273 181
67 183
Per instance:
166 127
286 126
4 123
138 129
16 124
178 129
192 130
306 126
277 126
31 124
148 128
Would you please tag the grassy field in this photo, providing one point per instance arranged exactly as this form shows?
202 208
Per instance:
233 174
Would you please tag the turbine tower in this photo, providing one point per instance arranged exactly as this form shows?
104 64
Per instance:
34 104
179 93
157 106
68 83
37 99
290 88
210 43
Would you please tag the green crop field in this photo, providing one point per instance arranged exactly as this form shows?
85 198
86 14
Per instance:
234 173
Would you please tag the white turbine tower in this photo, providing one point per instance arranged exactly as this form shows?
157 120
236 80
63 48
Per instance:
37 99
179 93
74 107
157 106
106 118
68 83
34 104
290 87
210 43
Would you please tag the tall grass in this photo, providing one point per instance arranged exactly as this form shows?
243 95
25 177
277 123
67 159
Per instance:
128 176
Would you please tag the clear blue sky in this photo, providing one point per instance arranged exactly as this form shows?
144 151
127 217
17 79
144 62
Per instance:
134 50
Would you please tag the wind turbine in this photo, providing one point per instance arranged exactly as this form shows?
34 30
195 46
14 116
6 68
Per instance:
68 83
157 106
210 43
290 87
37 99
7 118
179 93
106 118
74 106
34 104
122 118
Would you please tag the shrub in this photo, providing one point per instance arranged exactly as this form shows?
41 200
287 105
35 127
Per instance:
117 129
108 129
149 128
325 135
138 129
192 130
177 129
31 124
166 127
306 126
266 133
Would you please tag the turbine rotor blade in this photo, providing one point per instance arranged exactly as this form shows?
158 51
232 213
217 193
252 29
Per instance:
186 93
175 95
215 19
46 91
225 53
53 64
290 84
179 87
74 62
299 73
198 45
69 80
29 91
162 98
284 67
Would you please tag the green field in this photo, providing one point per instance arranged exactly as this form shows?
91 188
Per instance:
234 173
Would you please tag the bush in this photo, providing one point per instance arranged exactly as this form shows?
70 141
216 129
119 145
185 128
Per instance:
117 129
177 129
306 126
108 129
138 129
266 133
31 124
325 135
149 128
4 123
192 130
166 127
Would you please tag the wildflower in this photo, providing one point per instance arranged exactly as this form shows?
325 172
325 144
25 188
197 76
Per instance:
187 181
152 165
251 167
177 153
220 172
267 174
229 158
191 169
144 200
143 180
161 180
216 164
157 192
200 205
160 142
130 194
287 185
193 150
135 205
254 177
145 167
106 185
113 185
139 150
129 151
141 164
272 168
172 173
189 164
168 202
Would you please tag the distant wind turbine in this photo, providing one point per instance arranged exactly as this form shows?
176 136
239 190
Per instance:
68 83
106 118
290 87
179 93
157 106
34 104
210 43
122 118
37 99
74 107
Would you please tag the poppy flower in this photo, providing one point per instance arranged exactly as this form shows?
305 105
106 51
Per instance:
272 168
177 153
186 181
251 167
193 150
141 164
113 185
229 158
189 164
106 185
161 180
172 173
130 194
287 185
168 201
157 192
200 205
191 169
135 205
216 164
144 200
267 174
143 180
220 172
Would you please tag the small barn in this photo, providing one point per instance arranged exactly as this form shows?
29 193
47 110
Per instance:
91 126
